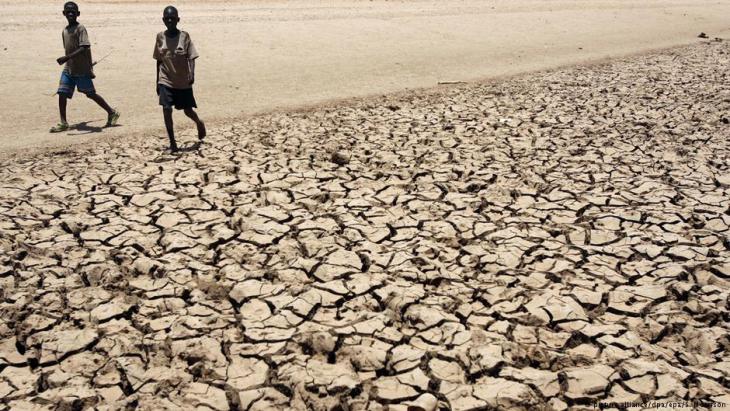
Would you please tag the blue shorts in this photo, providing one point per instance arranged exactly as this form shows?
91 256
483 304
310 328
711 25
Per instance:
68 83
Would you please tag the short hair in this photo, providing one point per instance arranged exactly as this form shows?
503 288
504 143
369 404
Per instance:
170 10
70 5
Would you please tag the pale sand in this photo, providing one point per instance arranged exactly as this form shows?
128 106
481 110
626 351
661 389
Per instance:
556 239
258 56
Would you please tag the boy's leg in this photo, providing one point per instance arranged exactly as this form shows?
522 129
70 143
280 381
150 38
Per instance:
101 102
63 125
65 91
112 115
62 104
86 86
198 122
167 114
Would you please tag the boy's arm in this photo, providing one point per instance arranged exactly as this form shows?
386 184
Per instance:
192 55
191 66
64 59
156 56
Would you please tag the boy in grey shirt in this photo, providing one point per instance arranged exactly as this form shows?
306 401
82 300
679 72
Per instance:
175 55
79 70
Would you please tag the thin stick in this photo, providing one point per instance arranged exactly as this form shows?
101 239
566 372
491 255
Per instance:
102 59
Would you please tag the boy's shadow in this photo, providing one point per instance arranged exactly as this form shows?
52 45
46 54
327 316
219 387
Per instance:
166 156
85 128
189 148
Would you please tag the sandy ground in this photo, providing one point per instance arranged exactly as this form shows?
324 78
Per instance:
540 243
261 55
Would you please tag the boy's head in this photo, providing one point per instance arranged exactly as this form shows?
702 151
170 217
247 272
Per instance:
170 17
71 11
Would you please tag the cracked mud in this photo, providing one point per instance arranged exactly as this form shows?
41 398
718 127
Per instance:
543 242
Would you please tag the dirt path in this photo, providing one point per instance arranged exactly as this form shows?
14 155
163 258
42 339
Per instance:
257 56
549 241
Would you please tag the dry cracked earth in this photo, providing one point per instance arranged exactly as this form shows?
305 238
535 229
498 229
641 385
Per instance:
543 242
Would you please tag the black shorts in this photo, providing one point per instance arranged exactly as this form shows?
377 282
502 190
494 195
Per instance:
180 98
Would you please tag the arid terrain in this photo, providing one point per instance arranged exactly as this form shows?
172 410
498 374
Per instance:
277 54
542 242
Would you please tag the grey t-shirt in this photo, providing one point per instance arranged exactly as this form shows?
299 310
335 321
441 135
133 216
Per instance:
73 38
173 53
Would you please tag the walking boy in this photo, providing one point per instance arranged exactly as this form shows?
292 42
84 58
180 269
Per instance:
79 70
175 55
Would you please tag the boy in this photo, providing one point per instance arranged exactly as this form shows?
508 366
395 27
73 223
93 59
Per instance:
175 55
79 69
